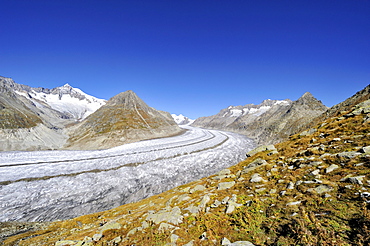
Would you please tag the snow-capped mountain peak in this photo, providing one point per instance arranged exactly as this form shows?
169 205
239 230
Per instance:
251 109
66 99
182 120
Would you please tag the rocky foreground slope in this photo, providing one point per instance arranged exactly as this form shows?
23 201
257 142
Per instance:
313 189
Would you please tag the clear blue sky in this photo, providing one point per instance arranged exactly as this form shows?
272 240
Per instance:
193 57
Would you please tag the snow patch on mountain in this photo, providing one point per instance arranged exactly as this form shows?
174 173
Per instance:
182 120
251 109
66 99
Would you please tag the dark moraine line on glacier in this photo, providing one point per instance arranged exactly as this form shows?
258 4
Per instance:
134 164
66 196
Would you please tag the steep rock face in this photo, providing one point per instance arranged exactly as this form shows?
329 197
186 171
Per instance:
23 126
269 122
123 119
14 113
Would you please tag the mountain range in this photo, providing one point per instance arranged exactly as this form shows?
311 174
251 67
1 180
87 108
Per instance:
269 122
67 118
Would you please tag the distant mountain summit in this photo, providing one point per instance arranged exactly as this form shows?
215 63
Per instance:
182 120
268 122
72 102
41 118
123 119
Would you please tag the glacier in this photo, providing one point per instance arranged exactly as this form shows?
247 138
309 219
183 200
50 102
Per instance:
51 185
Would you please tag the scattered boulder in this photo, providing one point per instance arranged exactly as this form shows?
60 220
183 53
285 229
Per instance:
110 226
355 180
215 204
256 178
321 189
348 155
225 185
365 150
97 237
293 203
331 168
225 241
65 243
167 227
290 186
254 164
241 243
260 149
173 216
197 188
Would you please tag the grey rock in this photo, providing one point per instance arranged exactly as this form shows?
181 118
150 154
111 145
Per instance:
174 238
225 200
241 243
65 243
166 227
321 189
225 241
365 150
110 226
256 178
97 237
290 186
293 203
231 205
193 209
331 168
117 240
260 190
174 216
257 162
204 201
348 155
225 185
215 204
134 230
268 148
315 172
355 180
197 188
224 172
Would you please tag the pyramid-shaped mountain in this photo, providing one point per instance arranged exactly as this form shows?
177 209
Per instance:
123 119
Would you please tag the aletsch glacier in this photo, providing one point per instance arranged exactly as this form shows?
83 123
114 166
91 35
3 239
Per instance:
50 185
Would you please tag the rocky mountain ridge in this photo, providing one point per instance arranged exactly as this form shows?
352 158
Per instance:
41 118
313 189
269 122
